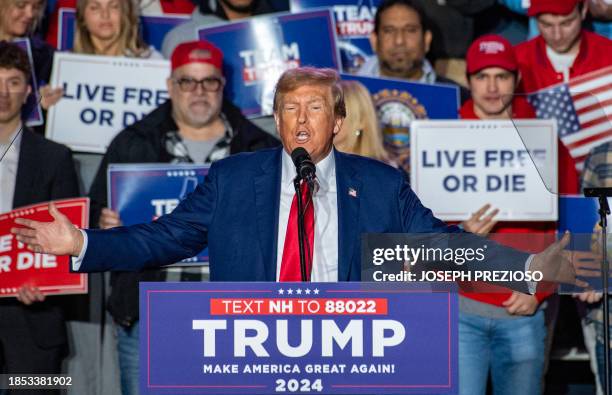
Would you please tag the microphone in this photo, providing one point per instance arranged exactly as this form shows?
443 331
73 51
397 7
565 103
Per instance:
304 165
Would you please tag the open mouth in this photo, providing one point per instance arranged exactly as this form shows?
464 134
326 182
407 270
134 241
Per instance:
302 137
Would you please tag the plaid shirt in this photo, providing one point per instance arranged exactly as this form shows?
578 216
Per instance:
177 149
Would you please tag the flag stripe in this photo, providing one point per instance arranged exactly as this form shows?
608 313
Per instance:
596 106
589 99
584 133
592 87
589 139
602 93
593 118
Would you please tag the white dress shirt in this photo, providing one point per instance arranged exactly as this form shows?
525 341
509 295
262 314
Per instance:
8 170
325 251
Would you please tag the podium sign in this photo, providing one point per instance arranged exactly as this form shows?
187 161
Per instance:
327 338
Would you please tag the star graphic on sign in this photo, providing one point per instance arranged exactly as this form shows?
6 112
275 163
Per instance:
281 291
307 292
316 291
290 291
298 291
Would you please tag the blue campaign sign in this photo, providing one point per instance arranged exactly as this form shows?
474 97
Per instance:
327 338
257 51
143 192
31 111
354 22
154 28
398 103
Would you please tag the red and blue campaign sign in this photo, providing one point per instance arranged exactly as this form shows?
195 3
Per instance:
257 51
326 338
154 28
354 23
143 192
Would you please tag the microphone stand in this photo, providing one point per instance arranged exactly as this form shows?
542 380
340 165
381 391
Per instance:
604 210
301 227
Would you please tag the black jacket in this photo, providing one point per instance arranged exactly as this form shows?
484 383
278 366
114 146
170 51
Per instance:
142 142
45 171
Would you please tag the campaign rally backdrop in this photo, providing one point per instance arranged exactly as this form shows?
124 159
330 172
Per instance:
327 338
143 192
31 112
257 51
399 103
459 166
354 21
102 95
153 28
50 273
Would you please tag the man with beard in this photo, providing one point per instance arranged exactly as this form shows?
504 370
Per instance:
210 12
401 39
196 125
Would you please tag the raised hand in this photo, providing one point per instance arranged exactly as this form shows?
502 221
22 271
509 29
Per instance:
59 237
480 225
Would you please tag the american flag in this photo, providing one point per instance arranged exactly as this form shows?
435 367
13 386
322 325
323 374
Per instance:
583 110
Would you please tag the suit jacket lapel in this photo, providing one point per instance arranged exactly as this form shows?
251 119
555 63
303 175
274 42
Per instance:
26 170
267 200
349 192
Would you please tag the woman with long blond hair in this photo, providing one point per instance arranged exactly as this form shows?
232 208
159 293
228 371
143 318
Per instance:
19 19
109 27
104 27
360 133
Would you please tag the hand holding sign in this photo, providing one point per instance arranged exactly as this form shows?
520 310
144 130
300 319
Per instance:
29 295
59 237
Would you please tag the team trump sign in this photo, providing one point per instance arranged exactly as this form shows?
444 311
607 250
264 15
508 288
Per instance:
328 338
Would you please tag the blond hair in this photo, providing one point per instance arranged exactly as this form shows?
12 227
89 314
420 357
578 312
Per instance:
6 4
364 137
130 41
294 78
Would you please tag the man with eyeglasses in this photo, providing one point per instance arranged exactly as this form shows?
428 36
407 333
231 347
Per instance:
196 125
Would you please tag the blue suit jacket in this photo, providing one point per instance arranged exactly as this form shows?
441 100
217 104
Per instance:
235 212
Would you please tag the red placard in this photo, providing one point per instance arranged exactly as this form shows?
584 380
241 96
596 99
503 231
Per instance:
50 273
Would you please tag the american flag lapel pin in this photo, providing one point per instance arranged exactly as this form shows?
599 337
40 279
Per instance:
352 192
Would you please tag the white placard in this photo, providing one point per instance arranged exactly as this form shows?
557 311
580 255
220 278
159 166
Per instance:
102 95
458 166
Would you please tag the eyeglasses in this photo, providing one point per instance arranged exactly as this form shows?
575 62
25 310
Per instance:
209 84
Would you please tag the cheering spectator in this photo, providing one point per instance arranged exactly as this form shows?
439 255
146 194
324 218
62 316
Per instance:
213 12
360 133
563 50
147 7
195 125
491 323
32 328
18 19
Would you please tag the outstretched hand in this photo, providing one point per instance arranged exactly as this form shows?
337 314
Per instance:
59 237
562 266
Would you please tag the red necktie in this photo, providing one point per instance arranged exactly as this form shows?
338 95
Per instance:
290 265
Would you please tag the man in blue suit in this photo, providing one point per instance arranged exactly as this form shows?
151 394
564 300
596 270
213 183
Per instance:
243 210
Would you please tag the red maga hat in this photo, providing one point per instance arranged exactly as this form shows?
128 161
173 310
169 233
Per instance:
490 51
559 7
196 52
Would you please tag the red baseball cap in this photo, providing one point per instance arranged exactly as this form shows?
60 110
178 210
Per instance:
197 52
558 7
490 51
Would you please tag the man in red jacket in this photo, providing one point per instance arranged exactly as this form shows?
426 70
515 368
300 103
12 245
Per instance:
492 324
563 50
